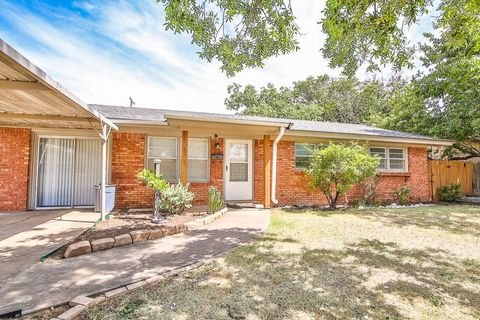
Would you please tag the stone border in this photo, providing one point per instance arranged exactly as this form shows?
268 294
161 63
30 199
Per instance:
83 247
81 303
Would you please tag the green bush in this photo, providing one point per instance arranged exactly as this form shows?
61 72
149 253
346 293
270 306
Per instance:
152 180
215 200
450 193
157 184
337 167
402 194
176 198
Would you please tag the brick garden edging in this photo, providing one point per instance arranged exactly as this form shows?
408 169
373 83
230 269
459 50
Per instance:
136 236
83 303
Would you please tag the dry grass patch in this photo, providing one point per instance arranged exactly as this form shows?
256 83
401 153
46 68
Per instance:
421 263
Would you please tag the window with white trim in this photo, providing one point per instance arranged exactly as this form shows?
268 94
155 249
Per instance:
163 149
303 154
391 159
197 159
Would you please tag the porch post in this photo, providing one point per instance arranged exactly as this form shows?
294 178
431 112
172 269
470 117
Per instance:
184 170
104 136
104 173
267 156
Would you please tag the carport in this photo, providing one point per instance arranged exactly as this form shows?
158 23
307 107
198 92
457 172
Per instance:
29 98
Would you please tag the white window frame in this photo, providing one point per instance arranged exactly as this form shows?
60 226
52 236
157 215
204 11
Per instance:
177 157
387 159
205 159
314 145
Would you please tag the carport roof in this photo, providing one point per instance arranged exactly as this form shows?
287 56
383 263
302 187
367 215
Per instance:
29 97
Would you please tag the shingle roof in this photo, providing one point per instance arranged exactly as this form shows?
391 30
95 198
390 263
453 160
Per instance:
150 114
360 129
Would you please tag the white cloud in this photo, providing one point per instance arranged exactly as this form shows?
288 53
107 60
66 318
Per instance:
125 51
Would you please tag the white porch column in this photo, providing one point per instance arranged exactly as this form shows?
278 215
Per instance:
104 136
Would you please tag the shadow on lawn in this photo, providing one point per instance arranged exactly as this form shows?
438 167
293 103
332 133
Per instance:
452 218
258 281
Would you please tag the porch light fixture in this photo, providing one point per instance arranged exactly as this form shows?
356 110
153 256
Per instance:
217 144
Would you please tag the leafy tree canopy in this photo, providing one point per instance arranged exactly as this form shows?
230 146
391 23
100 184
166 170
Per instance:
244 33
238 33
315 98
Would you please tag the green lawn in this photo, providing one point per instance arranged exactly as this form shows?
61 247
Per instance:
421 263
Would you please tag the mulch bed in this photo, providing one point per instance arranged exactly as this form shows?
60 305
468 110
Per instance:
125 221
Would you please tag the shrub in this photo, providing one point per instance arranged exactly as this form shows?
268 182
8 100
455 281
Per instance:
369 187
215 200
158 184
176 198
450 193
152 180
402 194
337 167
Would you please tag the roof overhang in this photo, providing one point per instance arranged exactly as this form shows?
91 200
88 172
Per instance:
364 137
30 98
133 122
284 124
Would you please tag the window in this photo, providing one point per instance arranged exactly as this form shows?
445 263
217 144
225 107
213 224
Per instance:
238 162
165 150
391 159
197 159
303 154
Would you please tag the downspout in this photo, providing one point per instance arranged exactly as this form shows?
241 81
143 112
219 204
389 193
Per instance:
274 164
106 129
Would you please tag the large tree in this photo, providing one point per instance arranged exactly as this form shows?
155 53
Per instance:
238 33
319 98
244 33
372 33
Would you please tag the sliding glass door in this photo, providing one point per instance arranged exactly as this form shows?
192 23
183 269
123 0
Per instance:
67 170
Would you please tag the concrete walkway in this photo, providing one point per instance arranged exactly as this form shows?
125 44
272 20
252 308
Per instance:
44 285
26 236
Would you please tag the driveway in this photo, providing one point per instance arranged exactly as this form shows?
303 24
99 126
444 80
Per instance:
27 236
47 284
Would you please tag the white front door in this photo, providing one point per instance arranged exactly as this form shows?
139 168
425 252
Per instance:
238 170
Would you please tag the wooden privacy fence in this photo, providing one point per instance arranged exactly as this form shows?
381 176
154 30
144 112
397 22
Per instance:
445 172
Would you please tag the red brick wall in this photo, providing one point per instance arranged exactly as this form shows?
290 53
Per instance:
128 158
292 185
15 155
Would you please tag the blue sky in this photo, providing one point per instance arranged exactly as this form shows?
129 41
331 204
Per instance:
106 51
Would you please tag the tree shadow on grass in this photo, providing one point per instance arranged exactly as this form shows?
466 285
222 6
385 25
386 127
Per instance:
434 275
455 219
324 284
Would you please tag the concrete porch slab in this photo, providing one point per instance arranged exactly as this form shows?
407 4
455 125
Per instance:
25 239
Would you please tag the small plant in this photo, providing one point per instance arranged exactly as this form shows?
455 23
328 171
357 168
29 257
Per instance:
176 198
152 180
369 187
158 185
450 193
215 200
402 194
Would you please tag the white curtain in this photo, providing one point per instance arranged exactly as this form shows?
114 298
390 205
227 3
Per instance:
55 172
68 169
88 170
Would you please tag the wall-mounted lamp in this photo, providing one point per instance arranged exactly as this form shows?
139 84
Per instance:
217 144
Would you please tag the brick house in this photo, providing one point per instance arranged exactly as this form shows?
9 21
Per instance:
54 148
